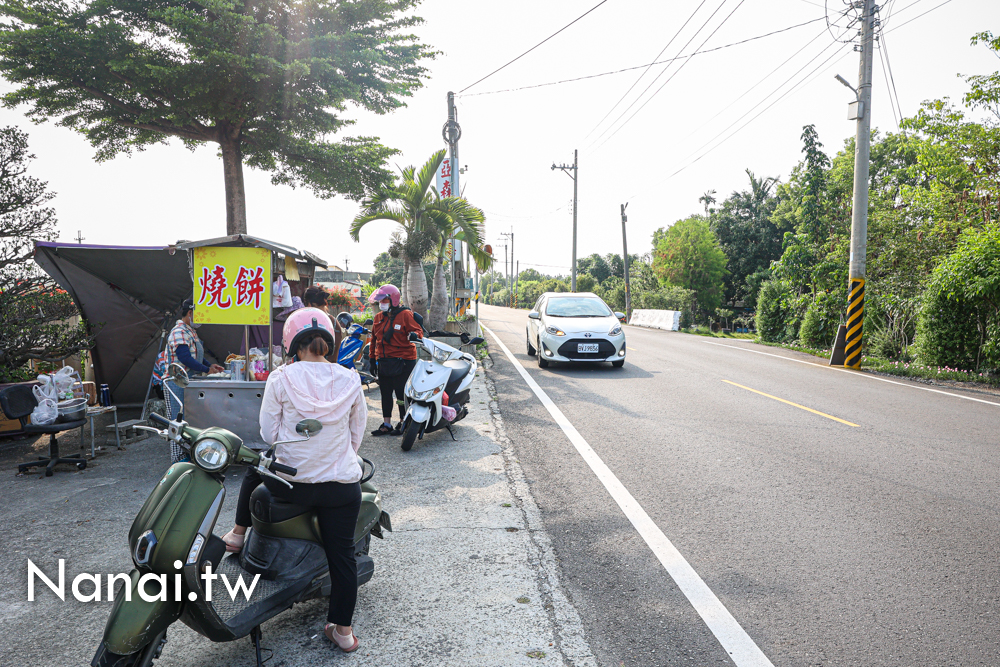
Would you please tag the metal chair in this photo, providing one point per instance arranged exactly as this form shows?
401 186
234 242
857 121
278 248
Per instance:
18 402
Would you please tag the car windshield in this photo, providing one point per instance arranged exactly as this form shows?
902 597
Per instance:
577 307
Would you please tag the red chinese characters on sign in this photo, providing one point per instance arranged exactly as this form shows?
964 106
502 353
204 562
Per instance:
446 169
446 189
444 179
213 284
249 286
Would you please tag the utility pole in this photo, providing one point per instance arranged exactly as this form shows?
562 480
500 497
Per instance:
565 168
506 271
452 132
516 280
628 293
861 111
510 277
79 237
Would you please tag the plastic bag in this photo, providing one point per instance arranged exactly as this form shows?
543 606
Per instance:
45 390
282 294
448 413
64 378
45 412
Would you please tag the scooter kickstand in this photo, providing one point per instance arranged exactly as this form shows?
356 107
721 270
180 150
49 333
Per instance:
255 636
451 433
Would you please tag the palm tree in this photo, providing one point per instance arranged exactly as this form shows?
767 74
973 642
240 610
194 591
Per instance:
454 218
708 199
408 203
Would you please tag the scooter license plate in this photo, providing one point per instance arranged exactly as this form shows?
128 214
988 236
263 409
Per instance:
587 347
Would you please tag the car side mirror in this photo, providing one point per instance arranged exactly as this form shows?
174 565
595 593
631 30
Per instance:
620 316
534 315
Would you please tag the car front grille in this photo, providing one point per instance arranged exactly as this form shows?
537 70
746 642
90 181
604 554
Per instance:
605 349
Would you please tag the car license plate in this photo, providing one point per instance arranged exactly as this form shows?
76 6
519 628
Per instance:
587 347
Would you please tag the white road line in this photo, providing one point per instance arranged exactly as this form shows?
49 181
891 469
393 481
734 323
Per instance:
855 373
734 639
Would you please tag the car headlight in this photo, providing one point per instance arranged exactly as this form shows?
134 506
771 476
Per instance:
616 330
211 454
555 331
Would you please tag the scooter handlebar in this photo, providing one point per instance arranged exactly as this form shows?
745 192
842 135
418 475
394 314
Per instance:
278 467
158 420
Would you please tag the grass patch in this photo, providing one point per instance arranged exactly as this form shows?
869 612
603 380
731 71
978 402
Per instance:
915 370
816 352
705 331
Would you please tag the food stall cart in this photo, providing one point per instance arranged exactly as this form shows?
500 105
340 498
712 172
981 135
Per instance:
234 281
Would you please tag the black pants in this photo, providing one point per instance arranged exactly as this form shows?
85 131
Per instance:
393 384
337 507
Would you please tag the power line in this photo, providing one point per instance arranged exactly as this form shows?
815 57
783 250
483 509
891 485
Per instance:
636 82
658 62
535 46
918 15
892 103
803 80
676 71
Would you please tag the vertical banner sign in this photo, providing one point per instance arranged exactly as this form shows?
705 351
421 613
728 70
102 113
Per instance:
444 178
232 285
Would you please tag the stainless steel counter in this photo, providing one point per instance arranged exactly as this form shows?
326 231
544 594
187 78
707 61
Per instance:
234 406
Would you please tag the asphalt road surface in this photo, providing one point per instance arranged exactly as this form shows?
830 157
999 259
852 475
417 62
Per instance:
856 521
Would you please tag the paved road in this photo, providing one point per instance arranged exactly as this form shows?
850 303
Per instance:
872 540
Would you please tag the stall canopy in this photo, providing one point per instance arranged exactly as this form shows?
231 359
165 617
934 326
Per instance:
130 296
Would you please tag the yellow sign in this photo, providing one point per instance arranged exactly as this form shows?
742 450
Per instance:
232 285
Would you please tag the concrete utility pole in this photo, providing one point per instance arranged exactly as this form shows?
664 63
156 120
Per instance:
565 169
79 237
628 291
861 111
452 132
510 274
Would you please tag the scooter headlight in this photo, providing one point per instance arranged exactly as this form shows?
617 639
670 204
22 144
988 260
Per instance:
211 454
441 356
426 395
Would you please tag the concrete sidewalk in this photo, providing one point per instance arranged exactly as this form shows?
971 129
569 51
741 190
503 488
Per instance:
467 578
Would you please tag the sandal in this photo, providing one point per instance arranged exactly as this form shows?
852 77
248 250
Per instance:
398 430
383 429
346 643
234 542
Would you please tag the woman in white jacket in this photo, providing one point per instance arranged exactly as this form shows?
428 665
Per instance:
328 471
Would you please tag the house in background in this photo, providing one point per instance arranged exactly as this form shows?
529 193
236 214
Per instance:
349 281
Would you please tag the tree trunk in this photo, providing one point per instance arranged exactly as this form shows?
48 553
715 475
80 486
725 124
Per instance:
439 300
404 286
230 139
417 285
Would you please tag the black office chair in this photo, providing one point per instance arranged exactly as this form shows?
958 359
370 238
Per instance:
18 402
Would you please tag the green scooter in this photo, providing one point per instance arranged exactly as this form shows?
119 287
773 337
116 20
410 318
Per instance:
181 569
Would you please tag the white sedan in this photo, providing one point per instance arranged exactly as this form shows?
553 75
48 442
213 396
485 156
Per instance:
575 326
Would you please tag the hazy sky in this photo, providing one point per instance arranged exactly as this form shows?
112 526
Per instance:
699 132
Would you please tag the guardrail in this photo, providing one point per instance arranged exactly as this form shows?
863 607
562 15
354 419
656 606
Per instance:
668 320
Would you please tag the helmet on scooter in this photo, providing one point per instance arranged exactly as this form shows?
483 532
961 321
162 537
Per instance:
301 324
384 291
345 320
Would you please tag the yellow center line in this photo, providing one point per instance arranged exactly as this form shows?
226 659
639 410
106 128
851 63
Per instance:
632 348
801 407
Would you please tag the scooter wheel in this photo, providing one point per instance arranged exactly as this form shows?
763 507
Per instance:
409 435
82 465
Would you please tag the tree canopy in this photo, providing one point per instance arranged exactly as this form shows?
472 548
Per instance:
688 255
266 80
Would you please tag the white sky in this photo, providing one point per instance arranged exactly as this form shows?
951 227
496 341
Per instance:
511 139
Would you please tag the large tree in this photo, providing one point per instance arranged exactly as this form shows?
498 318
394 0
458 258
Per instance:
34 312
268 81
688 255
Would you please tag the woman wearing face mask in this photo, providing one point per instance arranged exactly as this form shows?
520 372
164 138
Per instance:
393 356
183 346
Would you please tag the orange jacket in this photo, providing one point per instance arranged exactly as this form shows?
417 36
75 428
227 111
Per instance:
398 345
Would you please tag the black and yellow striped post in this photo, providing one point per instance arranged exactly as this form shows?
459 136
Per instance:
855 323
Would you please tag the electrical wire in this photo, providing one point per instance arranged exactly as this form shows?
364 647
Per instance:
918 15
629 69
535 46
636 82
892 103
676 71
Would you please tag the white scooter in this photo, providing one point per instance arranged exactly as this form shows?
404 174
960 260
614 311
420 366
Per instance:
449 371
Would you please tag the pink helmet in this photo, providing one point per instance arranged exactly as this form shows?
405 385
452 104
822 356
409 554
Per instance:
303 322
384 291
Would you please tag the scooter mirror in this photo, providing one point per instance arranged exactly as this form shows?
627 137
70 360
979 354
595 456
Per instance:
465 338
308 427
413 336
178 374
369 322
477 340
